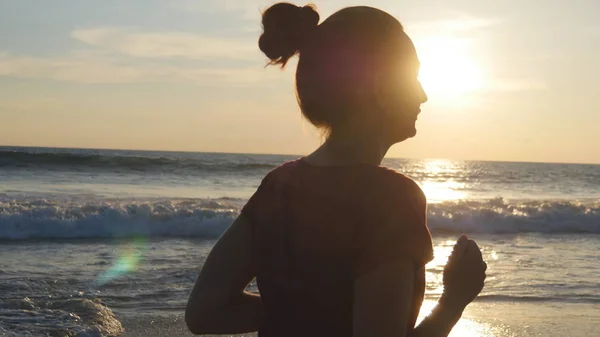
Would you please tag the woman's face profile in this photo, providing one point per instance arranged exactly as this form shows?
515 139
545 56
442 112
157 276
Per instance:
402 95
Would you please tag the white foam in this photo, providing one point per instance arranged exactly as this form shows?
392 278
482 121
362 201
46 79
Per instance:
66 317
51 219
208 218
500 216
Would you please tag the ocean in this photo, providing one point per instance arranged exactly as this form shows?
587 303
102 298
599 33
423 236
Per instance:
109 242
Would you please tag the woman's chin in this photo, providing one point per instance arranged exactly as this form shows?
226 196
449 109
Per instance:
410 132
404 135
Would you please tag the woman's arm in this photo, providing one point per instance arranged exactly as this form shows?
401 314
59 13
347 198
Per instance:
383 296
383 300
441 320
219 303
382 305
464 277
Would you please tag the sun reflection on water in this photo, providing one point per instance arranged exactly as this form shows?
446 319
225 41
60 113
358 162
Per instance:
465 327
441 253
434 268
440 192
439 184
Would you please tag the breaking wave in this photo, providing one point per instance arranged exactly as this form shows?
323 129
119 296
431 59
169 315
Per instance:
58 317
208 218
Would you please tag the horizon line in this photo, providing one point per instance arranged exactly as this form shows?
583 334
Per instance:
288 154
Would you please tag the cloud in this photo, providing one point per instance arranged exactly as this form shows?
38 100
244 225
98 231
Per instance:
247 10
90 68
451 26
121 55
166 45
128 55
71 68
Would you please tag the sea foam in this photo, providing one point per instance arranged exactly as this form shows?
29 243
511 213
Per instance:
58 317
208 218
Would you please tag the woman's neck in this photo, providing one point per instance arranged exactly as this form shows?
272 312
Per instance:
349 149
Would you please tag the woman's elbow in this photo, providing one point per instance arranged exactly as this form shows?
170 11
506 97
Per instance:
196 319
192 322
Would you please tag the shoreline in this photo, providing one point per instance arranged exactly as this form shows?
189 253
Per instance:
508 319
172 325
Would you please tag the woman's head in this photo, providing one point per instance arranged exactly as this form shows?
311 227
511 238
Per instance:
357 70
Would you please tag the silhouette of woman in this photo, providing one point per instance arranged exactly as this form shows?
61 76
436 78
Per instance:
336 242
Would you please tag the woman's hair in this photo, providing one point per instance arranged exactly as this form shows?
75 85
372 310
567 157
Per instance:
337 58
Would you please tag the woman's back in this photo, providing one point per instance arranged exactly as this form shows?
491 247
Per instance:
316 229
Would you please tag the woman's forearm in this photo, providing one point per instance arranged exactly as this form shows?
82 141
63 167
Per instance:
441 320
242 315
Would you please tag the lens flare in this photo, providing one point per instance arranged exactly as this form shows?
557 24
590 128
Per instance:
127 262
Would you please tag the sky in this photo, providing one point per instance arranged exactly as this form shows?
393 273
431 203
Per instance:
512 80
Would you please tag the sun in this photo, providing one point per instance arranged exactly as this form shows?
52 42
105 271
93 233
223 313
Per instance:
448 66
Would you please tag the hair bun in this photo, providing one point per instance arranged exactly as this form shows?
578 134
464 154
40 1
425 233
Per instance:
285 28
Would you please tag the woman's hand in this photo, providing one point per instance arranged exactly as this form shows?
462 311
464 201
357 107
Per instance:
464 274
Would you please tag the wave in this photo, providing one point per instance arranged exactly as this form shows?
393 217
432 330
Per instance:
109 161
208 218
73 219
497 216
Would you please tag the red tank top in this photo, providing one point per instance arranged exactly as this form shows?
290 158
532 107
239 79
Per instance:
316 229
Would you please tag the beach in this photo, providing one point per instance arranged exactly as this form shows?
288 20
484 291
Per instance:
109 243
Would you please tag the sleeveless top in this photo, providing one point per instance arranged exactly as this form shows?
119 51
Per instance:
317 229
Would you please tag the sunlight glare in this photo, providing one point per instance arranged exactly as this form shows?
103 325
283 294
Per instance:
448 69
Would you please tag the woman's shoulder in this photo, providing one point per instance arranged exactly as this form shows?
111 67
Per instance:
396 184
379 181
281 171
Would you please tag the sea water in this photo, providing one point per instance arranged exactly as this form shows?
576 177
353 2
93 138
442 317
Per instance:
90 237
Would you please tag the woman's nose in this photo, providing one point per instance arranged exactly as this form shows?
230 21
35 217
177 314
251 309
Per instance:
422 93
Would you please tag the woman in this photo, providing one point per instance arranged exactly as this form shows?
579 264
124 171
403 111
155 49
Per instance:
337 243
